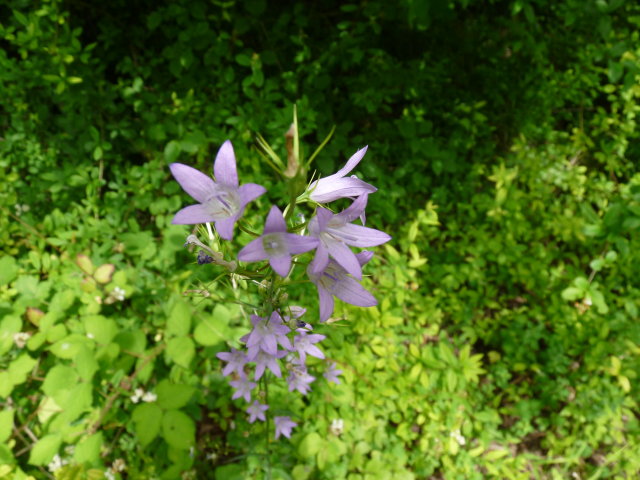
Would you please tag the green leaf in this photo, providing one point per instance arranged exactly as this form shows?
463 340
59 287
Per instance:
178 429
100 329
179 321
173 395
147 419
171 151
104 273
6 386
85 263
60 377
8 270
9 326
44 449
69 346
310 445
86 363
181 350
20 367
6 424
88 449
212 330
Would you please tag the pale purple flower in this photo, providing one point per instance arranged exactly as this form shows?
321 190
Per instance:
335 232
284 426
264 360
335 281
221 201
235 361
256 411
299 380
303 343
336 186
266 335
276 244
243 388
331 373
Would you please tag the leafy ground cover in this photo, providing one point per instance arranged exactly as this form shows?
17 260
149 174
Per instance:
503 141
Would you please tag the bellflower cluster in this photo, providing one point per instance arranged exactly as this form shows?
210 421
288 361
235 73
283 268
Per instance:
280 345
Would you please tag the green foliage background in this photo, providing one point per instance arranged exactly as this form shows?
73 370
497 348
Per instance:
503 140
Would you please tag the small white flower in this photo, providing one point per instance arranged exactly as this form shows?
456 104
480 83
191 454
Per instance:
118 465
337 427
458 437
56 463
137 395
90 335
149 397
108 474
21 338
119 294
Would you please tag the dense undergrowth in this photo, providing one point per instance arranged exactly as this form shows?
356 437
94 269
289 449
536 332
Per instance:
503 141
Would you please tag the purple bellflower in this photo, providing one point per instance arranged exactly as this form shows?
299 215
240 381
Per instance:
235 361
284 426
299 379
335 281
266 335
243 388
335 232
276 244
331 373
264 360
256 411
303 343
221 201
336 186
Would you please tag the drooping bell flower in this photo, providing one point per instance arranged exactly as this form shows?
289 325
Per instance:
337 186
334 280
336 233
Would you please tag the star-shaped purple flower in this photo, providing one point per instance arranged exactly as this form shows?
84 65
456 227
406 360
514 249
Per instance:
303 343
235 361
299 380
335 281
221 201
276 244
264 360
266 335
331 373
256 411
243 388
284 426
335 232
336 186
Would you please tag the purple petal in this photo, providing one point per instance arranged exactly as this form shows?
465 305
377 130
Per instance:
281 265
253 251
340 188
225 227
364 257
275 222
314 351
300 244
321 260
354 210
249 192
359 236
193 181
319 223
191 215
345 258
350 291
224 167
327 303
352 162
